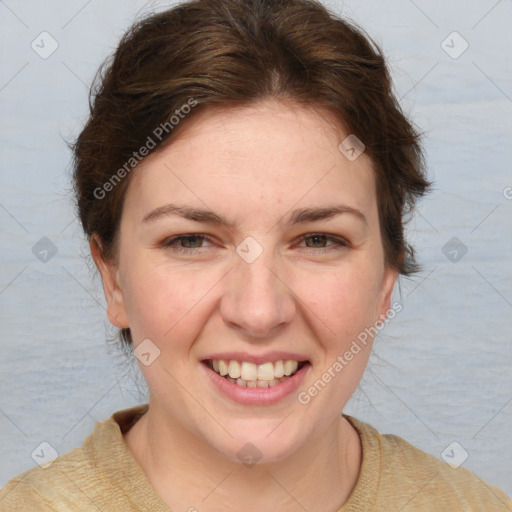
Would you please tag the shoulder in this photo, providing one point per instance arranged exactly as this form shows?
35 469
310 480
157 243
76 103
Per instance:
99 475
52 488
412 479
425 477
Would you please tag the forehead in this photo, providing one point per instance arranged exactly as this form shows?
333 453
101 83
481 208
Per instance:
268 153
296 122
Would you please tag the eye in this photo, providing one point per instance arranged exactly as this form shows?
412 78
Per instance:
190 239
315 242
318 241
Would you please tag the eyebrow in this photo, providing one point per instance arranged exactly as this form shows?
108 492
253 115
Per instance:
299 216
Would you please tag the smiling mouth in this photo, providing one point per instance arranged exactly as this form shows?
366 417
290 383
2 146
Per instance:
251 375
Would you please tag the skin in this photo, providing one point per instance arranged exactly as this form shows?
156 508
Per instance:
253 165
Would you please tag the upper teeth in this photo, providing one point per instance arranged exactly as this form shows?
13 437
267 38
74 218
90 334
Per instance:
250 371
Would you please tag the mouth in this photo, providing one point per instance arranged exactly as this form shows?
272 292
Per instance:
251 375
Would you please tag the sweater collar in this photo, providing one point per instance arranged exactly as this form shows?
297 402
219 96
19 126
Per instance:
109 452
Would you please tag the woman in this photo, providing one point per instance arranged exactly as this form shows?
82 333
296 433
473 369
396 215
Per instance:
242 180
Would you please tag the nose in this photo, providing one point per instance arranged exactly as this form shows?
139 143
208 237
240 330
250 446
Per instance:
257 301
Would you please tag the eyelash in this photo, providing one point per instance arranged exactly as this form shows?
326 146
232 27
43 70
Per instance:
172 243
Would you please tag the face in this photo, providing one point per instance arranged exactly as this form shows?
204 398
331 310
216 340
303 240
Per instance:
263 274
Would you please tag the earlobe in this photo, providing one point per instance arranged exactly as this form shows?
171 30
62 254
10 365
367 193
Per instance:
388 284
116 312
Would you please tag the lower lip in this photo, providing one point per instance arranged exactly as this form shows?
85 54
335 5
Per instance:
257 396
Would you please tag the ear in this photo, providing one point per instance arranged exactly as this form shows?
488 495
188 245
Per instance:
116 310
386 291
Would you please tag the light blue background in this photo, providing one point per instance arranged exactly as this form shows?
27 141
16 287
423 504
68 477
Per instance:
441 371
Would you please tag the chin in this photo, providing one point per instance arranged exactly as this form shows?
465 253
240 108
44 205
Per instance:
251 444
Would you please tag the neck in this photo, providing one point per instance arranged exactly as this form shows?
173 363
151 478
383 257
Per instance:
188 473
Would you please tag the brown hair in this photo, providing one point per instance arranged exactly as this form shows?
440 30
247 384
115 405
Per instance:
235 52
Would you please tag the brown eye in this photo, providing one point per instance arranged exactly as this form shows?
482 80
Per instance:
195 240
320 240
185 243
316 239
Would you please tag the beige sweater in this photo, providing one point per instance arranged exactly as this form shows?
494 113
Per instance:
103 476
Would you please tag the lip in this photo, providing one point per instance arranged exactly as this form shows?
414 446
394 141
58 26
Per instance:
257 359
256 396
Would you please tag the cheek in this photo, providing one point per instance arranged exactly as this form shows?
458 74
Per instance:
164 303
344 302
161 302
